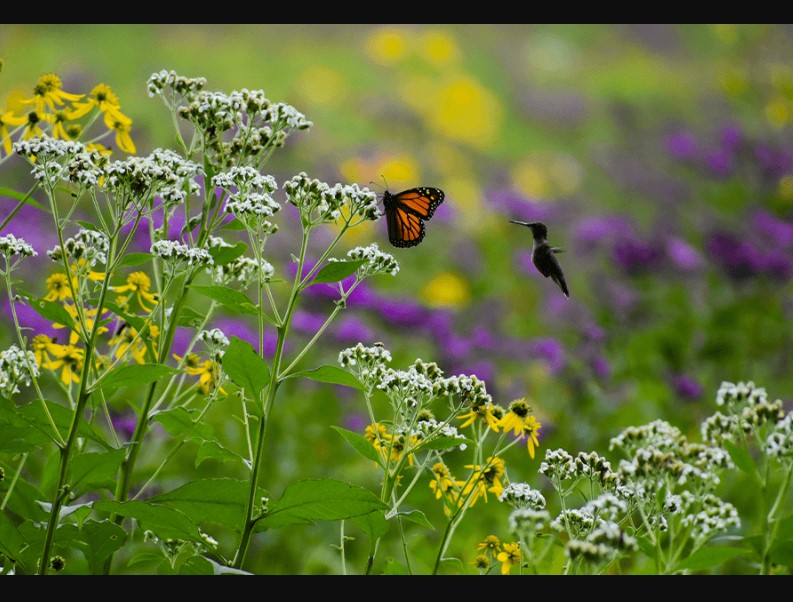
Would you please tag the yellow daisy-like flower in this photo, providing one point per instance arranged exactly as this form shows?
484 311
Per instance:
48 94
42 346
128 341
69 359
104 99
140 284
58 287
378 432
482 562
509 556
83 268
60 127
486 411
522 424
9 119
491 544
208 372
483 480
442 484
122 129
530 429
90 316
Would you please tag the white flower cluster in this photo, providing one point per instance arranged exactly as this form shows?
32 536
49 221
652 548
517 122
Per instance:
285 116
242 179
362 201
16 367
88 245
593 466
10 245
320 203
522 495
255 205
430 427
468 388
779 444
377 261
715 516
524 521
719 428
367 363
730 393
216 342
405 385
242 270
47 156
177 253
659 434
162 173
606 506
558 465
160 80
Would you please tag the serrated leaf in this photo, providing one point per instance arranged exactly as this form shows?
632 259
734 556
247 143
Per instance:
134 259
163 521
212 450
373 524
332 375
244 366
320 499
228 298
334 271
95 470
50 310
179 422
225 255
217 501
20 196
418 517
135 374
100 540
360 444
709 557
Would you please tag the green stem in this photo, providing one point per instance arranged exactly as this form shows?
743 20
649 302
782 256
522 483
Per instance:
773 524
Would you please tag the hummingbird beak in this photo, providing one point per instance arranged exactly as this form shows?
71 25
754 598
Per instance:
528 224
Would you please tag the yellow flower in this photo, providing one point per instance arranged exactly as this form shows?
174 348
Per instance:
491 544
442 484
482 481
60 129
128 341
122 128
387 45
482 562
42 347
509 557
485 411
208 372
530 430
9 119
438 47
103 98
58 287
521 423
48 94
446 290
139 283
90 315
70 359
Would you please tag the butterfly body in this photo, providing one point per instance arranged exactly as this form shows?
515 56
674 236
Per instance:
406 212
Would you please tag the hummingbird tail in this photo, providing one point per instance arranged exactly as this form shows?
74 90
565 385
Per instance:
559 279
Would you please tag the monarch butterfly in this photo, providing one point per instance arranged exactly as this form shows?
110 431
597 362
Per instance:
406 211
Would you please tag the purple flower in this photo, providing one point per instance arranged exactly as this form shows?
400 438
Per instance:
682 145
352 329
601 367
242 330
484 339
304 321
550 350
686 387
181 339
781 232
731 137
635 256
776 162
356 422
404 312
483 370
720 163
125 424
593 230
737 257
593 332
456 347
683 255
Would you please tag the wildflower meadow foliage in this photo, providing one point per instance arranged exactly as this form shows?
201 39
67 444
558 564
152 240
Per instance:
190 328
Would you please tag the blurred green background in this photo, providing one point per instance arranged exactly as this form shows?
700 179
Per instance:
659 156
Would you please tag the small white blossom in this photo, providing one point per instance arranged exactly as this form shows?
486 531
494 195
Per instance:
16 367
11 245
522 495
377 261
176 253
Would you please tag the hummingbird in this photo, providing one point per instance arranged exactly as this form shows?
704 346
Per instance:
543 255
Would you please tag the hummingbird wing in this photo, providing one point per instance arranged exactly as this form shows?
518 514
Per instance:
545 261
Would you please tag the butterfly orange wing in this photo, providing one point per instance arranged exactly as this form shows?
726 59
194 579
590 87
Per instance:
406 211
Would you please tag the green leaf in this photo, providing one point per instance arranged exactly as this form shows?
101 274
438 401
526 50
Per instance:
334 271
133 259
225 255
785 528
244 366
332 375
709 557
190 317
11 541
228 298
742 458
394 567
217 501
360 444
373 524
418 517
234 224
135 321
101 539
179 422
212 450
196 565
18 434
135 374
54 312
163 521
62 417
19 196
96 470
320 499
782 553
